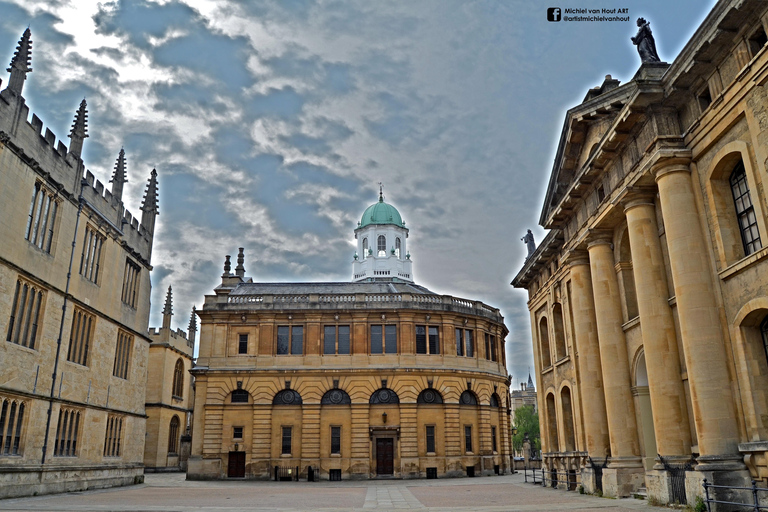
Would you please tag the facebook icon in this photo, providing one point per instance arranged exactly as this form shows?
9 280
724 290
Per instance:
553 14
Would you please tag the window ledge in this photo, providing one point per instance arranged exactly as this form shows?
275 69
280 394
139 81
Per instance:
547 369
630 323
336 455
742 264
285 455
563 360
431 454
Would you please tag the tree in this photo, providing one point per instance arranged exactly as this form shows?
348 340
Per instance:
526 421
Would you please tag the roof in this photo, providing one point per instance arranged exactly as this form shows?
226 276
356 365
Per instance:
329 288
381 213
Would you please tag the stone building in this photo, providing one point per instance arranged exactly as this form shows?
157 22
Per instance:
526 395
74 307
649 295
170 394
378 377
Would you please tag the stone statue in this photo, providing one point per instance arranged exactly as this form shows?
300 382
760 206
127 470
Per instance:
646 46
528 239
526 449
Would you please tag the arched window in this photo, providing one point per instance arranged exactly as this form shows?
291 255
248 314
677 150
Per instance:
173 436
557 313
365 247
287 397
398 246
335 397
239 396
384 396
570 436
468 398
551 427
382 245
546 358
178 380
11 420
764 332
745 211
429 396
494 400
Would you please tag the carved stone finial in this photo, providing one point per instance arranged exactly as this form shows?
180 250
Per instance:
20 63
646 45
192 321
149 208
119 176
528 239
168 309
227 265
240 269
79 131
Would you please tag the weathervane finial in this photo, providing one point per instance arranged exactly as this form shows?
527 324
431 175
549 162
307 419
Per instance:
381 193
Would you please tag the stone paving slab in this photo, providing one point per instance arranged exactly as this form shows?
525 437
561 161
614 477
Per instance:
163 492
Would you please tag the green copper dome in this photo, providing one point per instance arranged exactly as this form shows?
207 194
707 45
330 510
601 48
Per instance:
381 213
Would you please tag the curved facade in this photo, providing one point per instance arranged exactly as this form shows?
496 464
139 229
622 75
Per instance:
378 378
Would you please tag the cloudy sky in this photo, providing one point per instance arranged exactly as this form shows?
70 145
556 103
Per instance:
270 124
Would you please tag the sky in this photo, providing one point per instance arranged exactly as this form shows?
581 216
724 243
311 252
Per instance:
271 123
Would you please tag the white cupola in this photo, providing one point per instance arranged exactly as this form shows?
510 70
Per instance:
381 245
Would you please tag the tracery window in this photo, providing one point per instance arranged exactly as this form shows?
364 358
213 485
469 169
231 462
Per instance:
178 380
80 337
382 245
335 397
122 354
11 421
113 436
67 431
384 396
42 217
25 314
287 397
130 283
173 436
90 259
745 211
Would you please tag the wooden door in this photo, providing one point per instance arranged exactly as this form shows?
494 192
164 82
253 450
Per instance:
385 456
236 467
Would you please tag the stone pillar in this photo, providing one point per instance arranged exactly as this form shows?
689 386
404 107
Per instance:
705 356
624 474
670 415
592 394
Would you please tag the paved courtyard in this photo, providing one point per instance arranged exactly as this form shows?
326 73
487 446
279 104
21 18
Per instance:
171 492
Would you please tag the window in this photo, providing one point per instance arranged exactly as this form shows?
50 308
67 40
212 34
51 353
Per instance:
469 337
336 339
468 438
745 211
80 337
335 440
290 339
242 344
173 436
459 343
424 344
113 436
91 256
65 444
237 432
25 314
386 344
42 217
11 421
757 41
764 333
397 247
286 444
178 380
365 247
381 245
122 354
493 439
430 439
239 396
130 283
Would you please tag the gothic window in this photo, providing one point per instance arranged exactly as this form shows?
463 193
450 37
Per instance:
427 340
383 339
178 380
336 339
382 245
25 314
90 259
335 440
122 354
242 344
468 398
430 438
286 444
239 396
173 436
745 211
397 246
113 436
287 397
430 396
764 333
130 283
290 339
65 444
384 396
11 421
335 397
42 217
80 337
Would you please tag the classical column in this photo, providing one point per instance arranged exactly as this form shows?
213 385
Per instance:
670 414
699 315
585 330
624 473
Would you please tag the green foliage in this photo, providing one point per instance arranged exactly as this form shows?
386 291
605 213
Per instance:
581 489
526 420
700 506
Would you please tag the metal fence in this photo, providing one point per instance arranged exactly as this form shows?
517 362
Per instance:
553 478
754 506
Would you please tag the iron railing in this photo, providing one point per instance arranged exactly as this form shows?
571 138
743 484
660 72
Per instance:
552 478
755 505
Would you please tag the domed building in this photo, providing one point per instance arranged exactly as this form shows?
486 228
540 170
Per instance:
378 377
